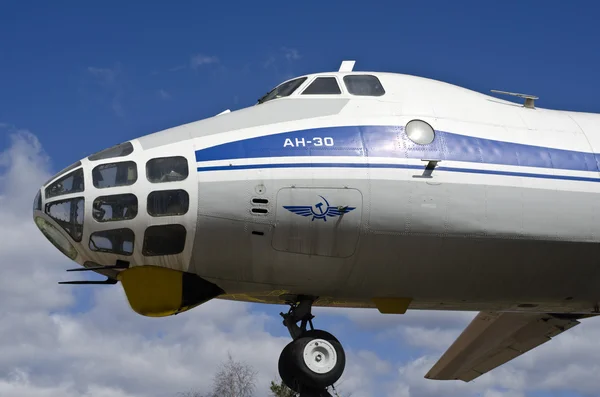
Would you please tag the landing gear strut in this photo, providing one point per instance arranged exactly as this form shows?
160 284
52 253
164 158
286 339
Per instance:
314 360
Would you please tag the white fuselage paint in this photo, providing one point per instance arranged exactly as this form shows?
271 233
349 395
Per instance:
494 228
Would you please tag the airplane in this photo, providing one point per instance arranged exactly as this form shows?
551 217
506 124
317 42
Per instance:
351 189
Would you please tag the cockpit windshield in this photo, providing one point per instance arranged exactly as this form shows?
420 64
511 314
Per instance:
283 90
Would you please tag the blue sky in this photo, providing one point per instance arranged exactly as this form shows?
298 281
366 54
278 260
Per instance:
82 76
92 74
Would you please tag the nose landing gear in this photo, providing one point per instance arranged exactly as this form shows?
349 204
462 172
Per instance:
314 360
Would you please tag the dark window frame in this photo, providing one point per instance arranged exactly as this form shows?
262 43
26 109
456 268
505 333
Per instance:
187 169
112 251
126 148
94 170
295 83
73 229
163 239
315 80
76 178
349 90
157 214
116 197
37 202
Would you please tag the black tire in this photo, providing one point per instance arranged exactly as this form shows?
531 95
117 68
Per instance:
286 370
304 375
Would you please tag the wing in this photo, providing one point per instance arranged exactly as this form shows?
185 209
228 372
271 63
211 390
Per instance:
304 210
337 211
493 339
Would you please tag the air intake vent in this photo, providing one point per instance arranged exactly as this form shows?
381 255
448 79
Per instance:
259 210
260 201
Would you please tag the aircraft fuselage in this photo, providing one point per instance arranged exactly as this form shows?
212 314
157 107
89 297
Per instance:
328 196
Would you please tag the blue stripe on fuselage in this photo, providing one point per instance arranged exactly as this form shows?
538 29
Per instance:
392 142
392 166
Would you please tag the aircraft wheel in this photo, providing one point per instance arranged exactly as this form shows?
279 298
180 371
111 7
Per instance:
286 371
316 359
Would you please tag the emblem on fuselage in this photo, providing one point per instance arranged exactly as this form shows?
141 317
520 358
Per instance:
320 212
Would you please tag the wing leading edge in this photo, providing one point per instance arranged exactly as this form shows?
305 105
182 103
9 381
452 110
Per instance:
493 339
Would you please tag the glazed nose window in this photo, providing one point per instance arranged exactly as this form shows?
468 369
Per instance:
115 241
114 174
120 150
168 203
70 183
118 207
37 202
167 169
69 215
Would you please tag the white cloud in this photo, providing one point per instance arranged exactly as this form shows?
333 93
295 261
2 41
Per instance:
429 338
199 59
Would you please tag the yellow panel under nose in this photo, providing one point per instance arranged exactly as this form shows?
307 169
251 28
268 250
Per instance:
157 291
392 305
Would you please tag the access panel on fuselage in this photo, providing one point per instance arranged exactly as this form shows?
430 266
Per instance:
318 221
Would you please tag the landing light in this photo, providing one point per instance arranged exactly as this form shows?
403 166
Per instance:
420 132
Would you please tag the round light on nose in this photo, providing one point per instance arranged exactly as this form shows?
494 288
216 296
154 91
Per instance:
56 237
420 132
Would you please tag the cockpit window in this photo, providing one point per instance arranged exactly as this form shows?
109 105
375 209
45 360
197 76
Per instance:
283 90
69 215
115 241
323 86
114 174
364 84
120 150
118 207
167 169
70 183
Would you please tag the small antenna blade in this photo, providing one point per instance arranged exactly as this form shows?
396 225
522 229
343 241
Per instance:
89 282
347 66
529 99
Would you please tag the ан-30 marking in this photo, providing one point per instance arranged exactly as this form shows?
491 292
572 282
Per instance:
302 142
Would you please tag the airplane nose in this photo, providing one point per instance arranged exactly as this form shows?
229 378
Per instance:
122 204
62 218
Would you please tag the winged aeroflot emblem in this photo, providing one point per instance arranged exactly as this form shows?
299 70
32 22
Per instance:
307 210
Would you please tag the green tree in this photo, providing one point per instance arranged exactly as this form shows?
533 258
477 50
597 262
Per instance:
279 389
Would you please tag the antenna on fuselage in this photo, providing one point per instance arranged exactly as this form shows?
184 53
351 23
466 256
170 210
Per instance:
529 99
347 66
